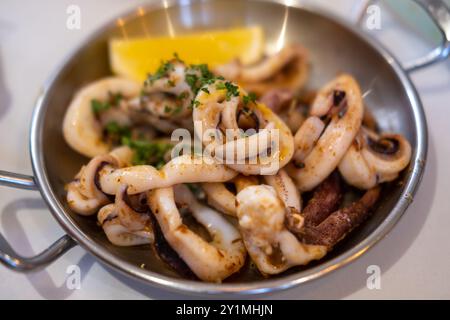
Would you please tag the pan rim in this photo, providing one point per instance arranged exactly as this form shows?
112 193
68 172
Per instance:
257 287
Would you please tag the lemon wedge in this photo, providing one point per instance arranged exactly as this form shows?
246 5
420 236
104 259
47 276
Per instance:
135 58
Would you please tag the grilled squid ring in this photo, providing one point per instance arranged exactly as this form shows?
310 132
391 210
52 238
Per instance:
222 198
142 116
82 131
182 169
373 159
288 193
79 203
210 261
287 69
169 96
134 218
117 233
83 194
341 102
219 122
306 137
272 247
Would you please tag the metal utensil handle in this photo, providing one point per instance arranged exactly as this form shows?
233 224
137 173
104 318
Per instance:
439 12
8 256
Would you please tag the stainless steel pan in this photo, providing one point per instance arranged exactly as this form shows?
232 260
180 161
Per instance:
334 45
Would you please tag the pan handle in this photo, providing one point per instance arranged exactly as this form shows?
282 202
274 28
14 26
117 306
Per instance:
439 12
8 256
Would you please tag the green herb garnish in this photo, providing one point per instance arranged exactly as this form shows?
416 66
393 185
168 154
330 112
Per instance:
195 103
114 98
162 71
177 109
115 132
220 86
232 90
97 106
182 95
192 80
146 152
251 97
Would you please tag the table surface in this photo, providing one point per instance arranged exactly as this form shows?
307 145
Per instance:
414 258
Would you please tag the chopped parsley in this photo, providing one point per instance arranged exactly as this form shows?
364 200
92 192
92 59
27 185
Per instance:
167 109
195 103
114 132
192 81
183 95
250 98
114 128
97 106
220 86
197 76
163 71
177 109
146 152
115 98
232 90
173 110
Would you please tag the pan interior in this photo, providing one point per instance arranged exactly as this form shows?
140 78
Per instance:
333 49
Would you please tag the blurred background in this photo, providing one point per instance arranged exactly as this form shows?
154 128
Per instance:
34 39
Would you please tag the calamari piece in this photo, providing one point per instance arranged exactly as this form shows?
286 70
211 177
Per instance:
167 125
221 198
83 194
211 261
89 186
79 203
117 233
169 96
82 131
123 156
136 217
373 159
182 169
220 121
271 246
306 137
341 101
287 68
289 195
241 182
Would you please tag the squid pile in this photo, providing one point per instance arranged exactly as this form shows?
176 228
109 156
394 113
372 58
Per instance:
215 168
